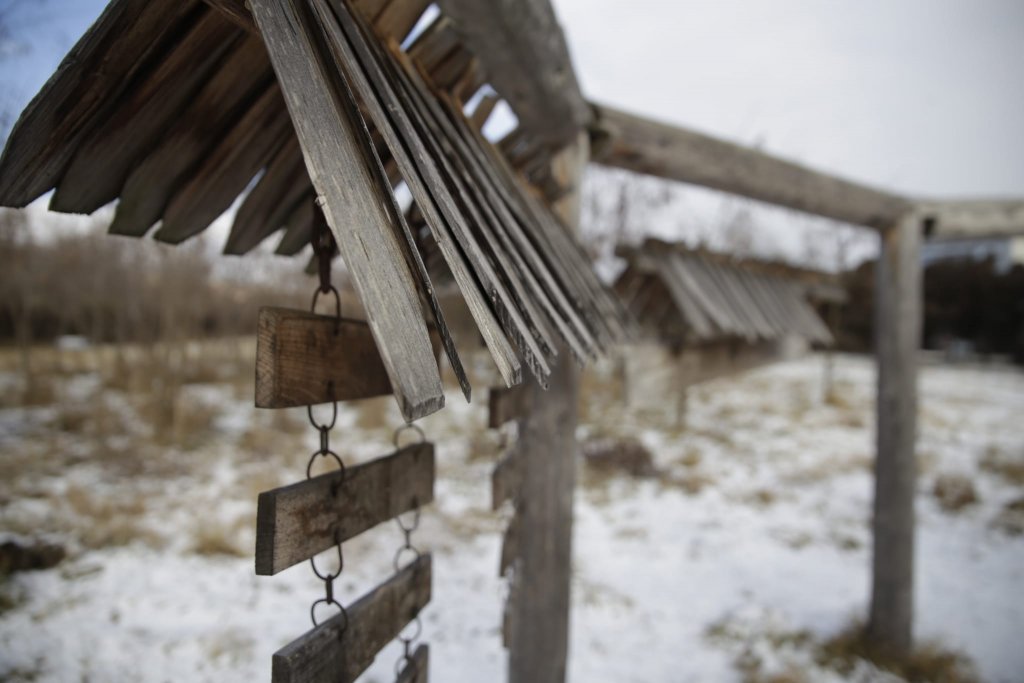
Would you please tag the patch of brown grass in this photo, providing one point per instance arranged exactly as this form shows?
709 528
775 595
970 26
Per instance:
1011 518
954 492
1001 464
212 537
930 662
106 520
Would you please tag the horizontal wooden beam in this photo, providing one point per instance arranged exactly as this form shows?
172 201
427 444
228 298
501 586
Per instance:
639 144
525 58
973 218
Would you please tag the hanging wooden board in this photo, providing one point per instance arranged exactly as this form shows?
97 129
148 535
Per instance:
294 523
418 670
507 478
335 653
504 405
304 359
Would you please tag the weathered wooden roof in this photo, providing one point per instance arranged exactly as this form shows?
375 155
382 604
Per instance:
683 295
176 108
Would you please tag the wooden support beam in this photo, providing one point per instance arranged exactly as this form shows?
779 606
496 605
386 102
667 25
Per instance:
525 58
897 340
358 206
507 477
340 649
304 359
646 146
295 522
973 218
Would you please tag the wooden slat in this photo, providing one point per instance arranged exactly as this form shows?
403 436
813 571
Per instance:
399 17
142 114
507 477
227 170
344 43
418 670
509 546
305 359
692 312
435 43
484 109
295 522
357 206
299 229
117 48
523 51
337 653
646 146
972 218
212 114
267 207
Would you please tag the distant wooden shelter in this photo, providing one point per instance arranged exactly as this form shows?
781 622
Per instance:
702 315
310 111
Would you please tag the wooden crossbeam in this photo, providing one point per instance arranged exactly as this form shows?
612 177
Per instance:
647 146
340 649
294 523
973 218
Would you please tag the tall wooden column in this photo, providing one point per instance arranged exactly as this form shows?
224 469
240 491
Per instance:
897 340
539 628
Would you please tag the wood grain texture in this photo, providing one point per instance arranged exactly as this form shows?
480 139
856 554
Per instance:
646 146
242 79
116 49
334 653
106 156
294 523
354 201
305 359
523 52
507 477
418 671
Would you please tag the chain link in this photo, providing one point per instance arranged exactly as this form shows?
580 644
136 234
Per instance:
406 660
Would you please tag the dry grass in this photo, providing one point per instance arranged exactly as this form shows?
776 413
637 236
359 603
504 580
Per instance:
928 663
1011 518
212 537
1004 465
954 492
104 520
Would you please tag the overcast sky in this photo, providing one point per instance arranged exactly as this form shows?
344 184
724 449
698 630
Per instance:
921 96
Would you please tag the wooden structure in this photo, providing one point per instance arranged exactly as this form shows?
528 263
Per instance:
702 315
178 107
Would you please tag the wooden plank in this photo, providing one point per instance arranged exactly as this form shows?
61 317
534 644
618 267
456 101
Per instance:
646 146
507 477
484 109
357 206
243 78
504 405
227 169
399 17
304 359
972 218
509 546
268 205
116 49
418 670
299 232
295 522
898 338
338 651
521 47
106 156
692 312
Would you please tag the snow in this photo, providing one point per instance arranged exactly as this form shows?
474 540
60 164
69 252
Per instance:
752 543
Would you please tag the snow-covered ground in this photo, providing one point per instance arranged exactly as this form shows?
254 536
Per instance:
749 547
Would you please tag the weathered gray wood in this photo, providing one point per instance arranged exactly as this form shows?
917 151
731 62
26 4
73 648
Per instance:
672 152
355 203
507 477
418 670
504 405
227 169
974 218
509 546
334 653
523 52
89 81
295 522
106 155
299 230
242 79
304 359
898 338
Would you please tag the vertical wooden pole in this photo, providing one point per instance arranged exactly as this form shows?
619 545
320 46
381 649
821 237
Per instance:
897 340
539 628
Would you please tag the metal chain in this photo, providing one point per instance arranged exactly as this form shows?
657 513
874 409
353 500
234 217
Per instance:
405 659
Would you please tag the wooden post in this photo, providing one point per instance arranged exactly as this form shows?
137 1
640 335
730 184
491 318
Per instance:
897 340
539 628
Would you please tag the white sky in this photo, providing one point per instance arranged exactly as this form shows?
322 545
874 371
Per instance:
921 96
